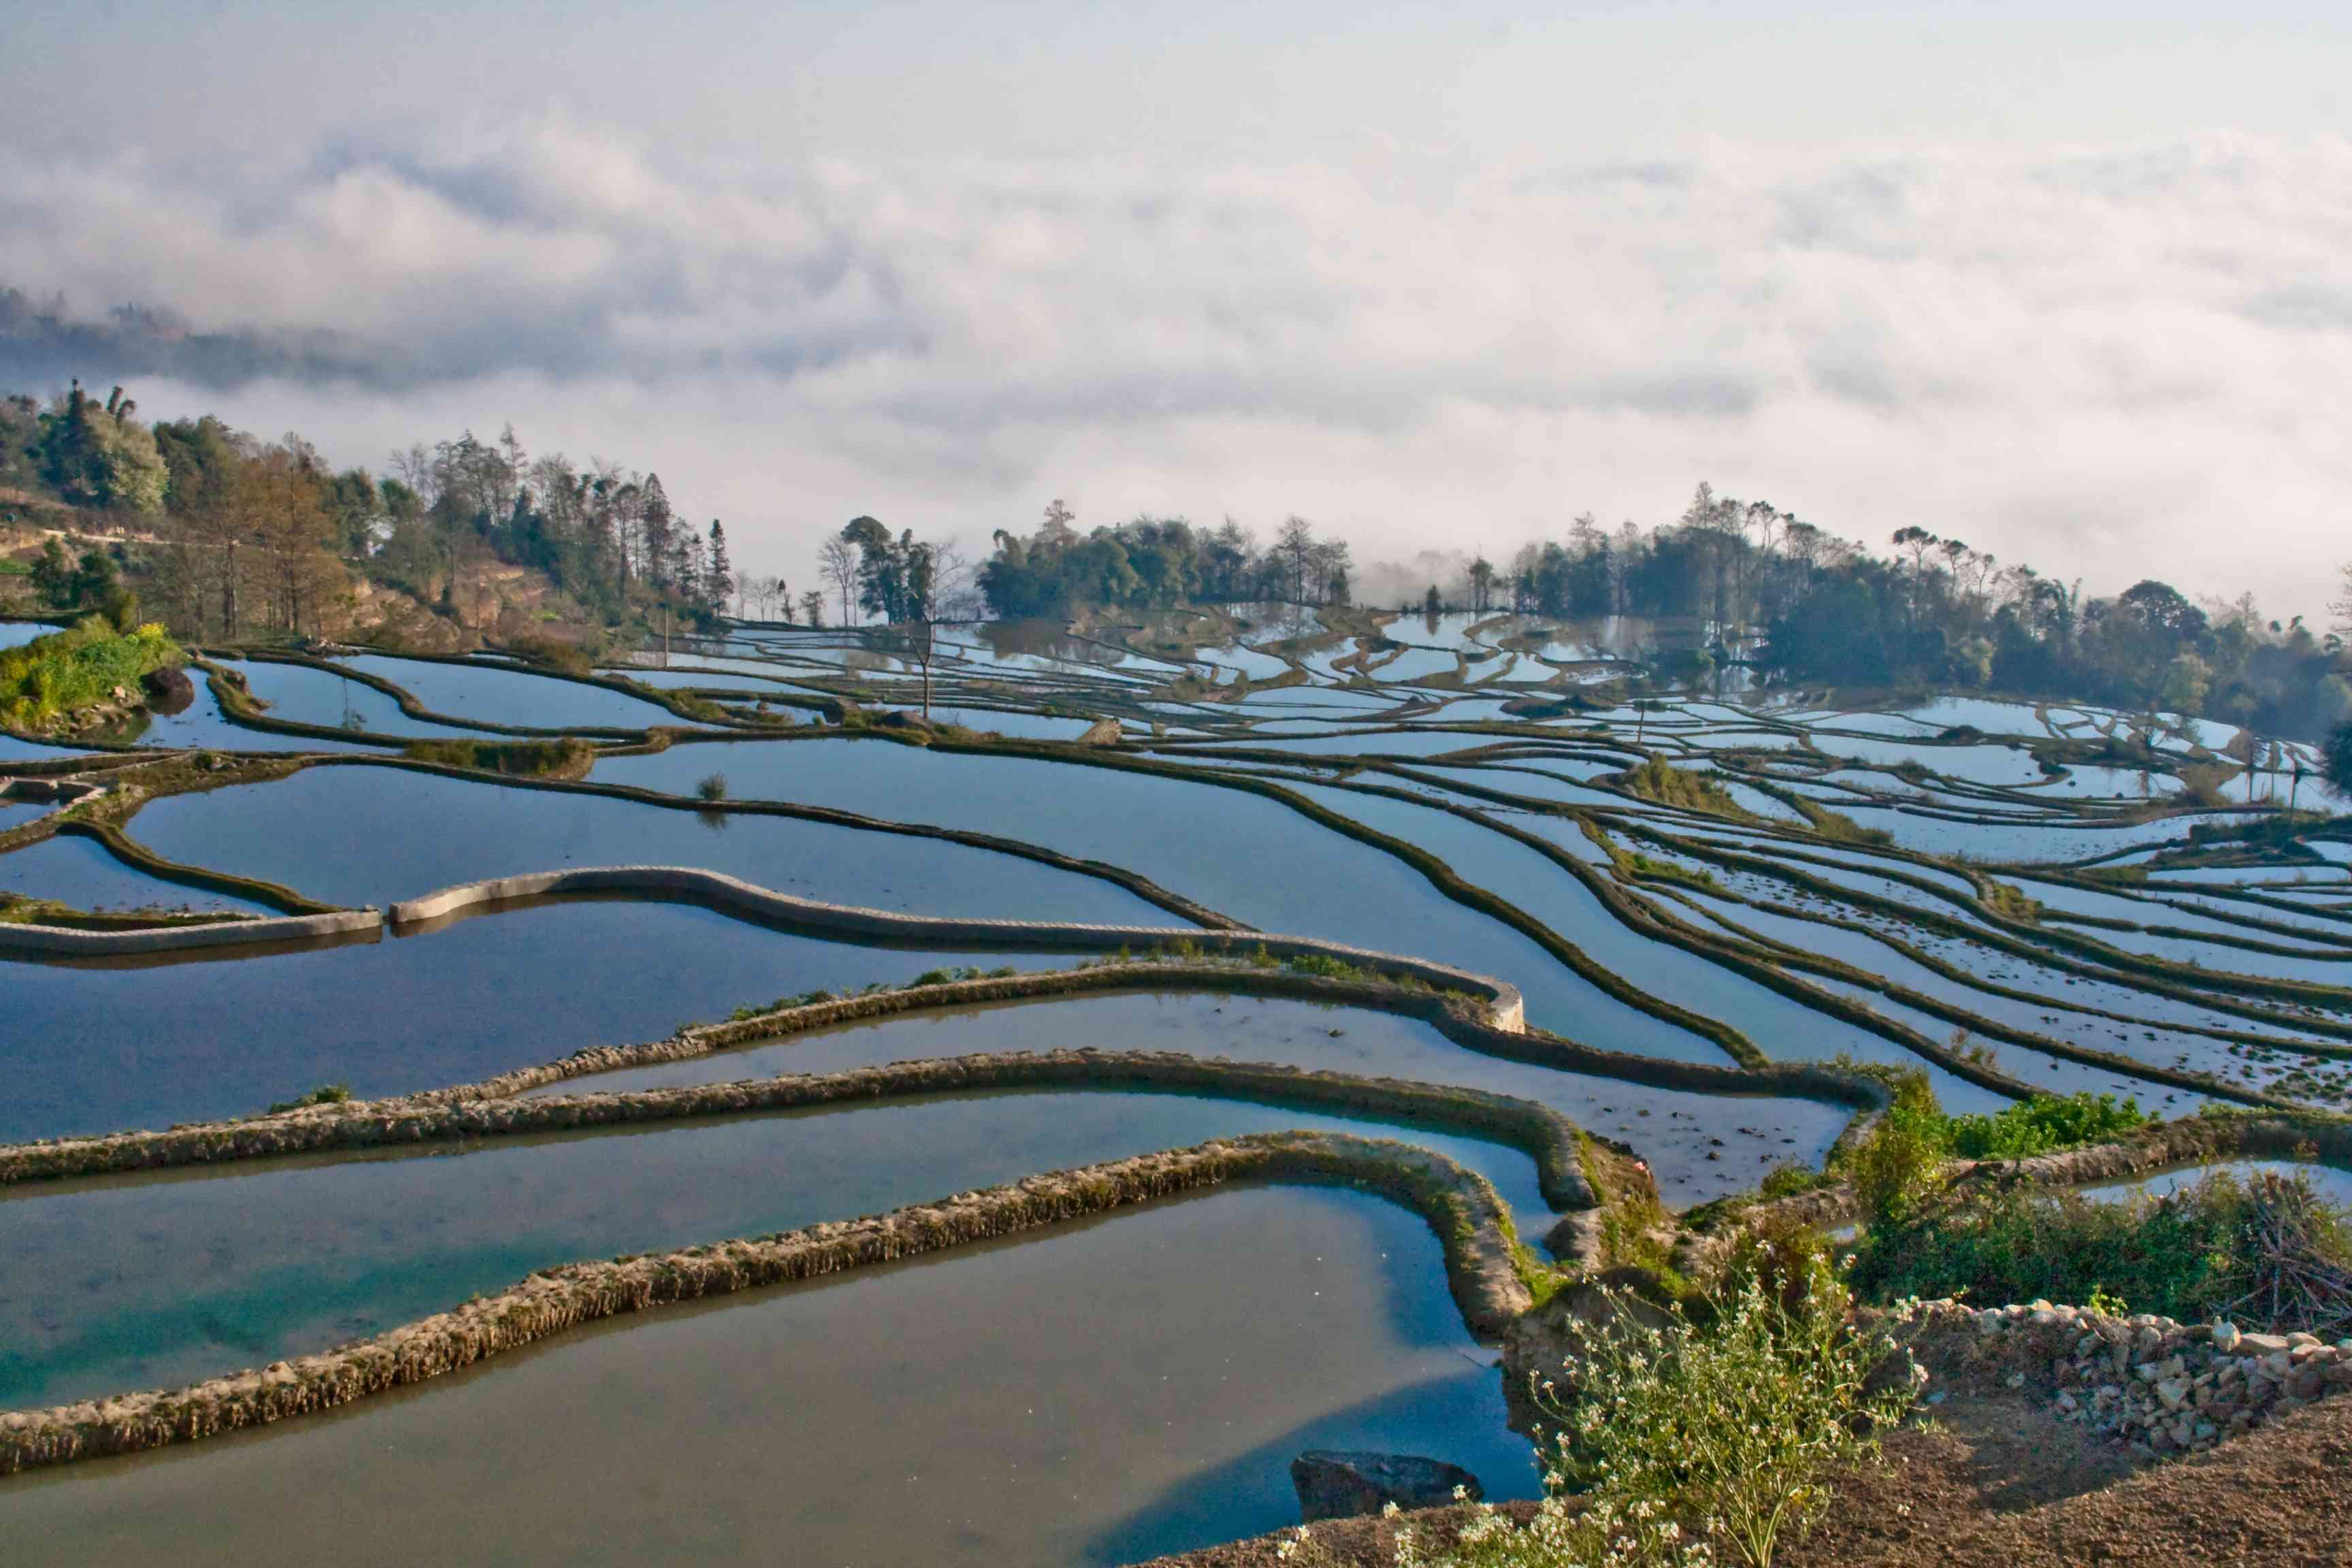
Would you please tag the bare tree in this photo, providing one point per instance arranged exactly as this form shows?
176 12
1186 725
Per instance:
1294 539
838 561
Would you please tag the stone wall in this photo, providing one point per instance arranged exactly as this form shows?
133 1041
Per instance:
2161 1386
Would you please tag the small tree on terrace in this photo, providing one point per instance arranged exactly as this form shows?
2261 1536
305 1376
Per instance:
838 561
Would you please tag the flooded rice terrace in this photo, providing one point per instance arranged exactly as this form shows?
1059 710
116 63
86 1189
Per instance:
392 984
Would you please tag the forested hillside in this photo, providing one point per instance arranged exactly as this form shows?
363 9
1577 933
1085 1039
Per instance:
224 535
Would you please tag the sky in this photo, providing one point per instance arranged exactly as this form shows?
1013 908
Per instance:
2069 281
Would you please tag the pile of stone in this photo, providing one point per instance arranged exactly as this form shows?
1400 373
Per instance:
2160 1386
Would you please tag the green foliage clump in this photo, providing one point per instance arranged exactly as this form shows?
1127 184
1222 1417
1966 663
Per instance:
1787 1181
1898 1168
1324 966
1660 781
570 757
553 653
1837 826
1705 1435
2010 903
325 1094
711 786
1639 865
2042 1124
54 676
2335 758
2267 1251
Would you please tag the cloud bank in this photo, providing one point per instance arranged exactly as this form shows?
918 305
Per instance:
2111 361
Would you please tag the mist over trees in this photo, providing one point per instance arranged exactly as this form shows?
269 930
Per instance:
225 535
1760 583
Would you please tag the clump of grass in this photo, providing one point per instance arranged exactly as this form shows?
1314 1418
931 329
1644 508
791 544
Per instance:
1660 781
2041 1125
1899 1166
325 1094
1899 1169
1641 866
2266 1251
51 677
1788 1179
2009 901
553 653
1837 826
570 757
711 786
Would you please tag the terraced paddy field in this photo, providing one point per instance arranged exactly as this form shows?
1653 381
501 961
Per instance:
952 1140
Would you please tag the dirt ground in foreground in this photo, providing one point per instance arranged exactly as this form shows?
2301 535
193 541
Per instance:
2000 1483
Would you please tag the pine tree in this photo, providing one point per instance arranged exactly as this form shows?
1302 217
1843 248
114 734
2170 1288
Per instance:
722 585
658 529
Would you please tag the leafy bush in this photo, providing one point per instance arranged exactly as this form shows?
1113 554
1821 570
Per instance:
325 1094
2044 1123
553 652
1786 1181
1898 1166
711 786
568 758
2267 1251
1660 781
1680 1438
56 675
2011 902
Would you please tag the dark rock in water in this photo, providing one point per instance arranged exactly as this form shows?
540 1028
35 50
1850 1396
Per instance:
169 690
1333 1484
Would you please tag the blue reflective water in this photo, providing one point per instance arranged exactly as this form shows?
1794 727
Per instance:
487 694
1693 1146
91 1050
71 869
156 1282
944 1412
424 831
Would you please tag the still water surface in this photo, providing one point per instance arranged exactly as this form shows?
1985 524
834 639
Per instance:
948 1411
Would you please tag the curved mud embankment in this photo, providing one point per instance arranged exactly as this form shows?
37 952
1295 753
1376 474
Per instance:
1544 1135
67 943
1454 1014
1459 1206
730 895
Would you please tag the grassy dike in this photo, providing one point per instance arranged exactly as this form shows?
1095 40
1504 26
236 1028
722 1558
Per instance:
488 1108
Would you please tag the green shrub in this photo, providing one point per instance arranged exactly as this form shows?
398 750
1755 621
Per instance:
553 652
1898 1166
53 675
1837 826
2042 1124
711 786
325 1094
1678 1441
2267 1252
1660 781
570 757
1786 1181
